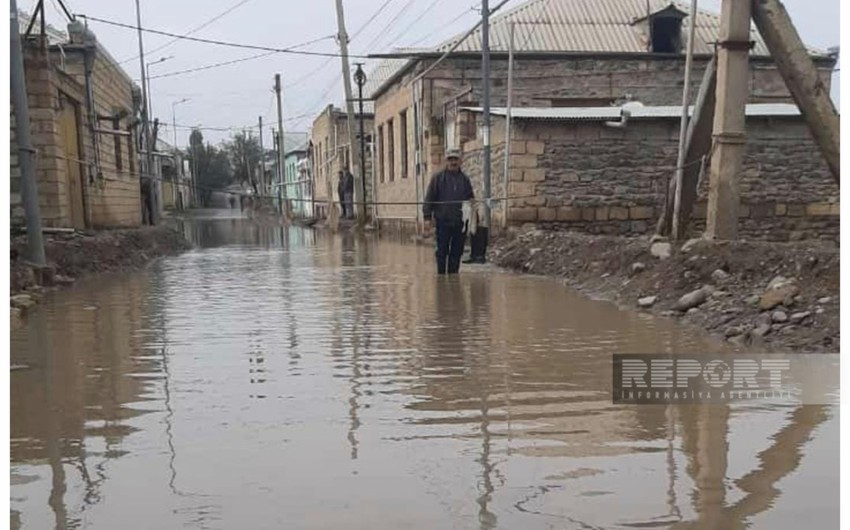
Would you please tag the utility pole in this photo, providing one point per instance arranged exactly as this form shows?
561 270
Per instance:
146 129
275 167
342 36
262 159
729 120
29 188
485 84
360 79
801 76
683 124
505 178
281 189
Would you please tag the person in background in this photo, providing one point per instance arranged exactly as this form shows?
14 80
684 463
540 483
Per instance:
349 192
446 193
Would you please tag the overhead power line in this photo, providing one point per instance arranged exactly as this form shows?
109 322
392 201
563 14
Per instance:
372 18
236 61
389 24
444 25
289 50
191 31
416 20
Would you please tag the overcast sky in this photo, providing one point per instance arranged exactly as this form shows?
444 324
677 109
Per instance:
236 95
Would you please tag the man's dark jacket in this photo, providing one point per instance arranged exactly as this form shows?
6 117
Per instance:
447 186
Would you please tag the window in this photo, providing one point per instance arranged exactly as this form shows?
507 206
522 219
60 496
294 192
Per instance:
381 152
666 31
391 150
402 130
116 140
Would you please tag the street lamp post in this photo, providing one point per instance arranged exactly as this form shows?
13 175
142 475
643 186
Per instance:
174 126
174 118
148 70
360 79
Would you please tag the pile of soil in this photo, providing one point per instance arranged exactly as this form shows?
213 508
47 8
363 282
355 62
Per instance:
76 254
775 297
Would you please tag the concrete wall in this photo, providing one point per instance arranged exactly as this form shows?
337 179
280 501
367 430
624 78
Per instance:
586 176
539 82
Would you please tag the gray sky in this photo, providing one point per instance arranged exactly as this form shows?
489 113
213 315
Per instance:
236 95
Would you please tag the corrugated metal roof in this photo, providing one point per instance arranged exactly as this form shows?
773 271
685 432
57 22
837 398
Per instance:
594 26
636 111
383 71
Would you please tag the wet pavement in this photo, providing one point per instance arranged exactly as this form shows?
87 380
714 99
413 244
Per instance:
283 378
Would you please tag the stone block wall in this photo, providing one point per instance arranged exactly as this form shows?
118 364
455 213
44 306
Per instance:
42 100
593 178
544 82
54 79
113 196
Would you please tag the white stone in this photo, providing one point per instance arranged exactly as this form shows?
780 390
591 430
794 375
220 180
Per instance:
660 250
647 301
779 317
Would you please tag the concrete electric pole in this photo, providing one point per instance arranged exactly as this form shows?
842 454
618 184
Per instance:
263 182
729 120
485 87
29 187
281 189
342 36
148 173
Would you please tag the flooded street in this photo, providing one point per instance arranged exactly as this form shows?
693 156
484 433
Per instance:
284 378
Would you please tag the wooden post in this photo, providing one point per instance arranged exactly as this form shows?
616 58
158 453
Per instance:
729 120
801 76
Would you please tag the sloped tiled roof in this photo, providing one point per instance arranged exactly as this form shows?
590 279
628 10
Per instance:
589 26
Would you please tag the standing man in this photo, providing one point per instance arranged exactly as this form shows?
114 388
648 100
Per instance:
448 189
349 193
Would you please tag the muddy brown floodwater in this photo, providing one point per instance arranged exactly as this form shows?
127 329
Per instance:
279 378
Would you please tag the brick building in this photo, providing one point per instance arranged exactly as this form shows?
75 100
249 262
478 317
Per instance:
83 113
568 53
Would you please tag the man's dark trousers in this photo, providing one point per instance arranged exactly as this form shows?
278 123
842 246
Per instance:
449 247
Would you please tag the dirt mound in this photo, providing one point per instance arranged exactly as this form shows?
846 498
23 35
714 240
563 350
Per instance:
78 254
771 296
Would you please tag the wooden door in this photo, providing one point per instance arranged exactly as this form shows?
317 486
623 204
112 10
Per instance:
69 131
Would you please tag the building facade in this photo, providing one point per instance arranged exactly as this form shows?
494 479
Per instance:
568 53
570 169
299 187
329 154
84 114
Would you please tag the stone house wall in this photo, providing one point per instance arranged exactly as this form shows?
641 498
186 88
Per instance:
585 176
541 81
113 192
56 80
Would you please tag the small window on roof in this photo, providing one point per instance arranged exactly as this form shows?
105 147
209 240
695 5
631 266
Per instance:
665 30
